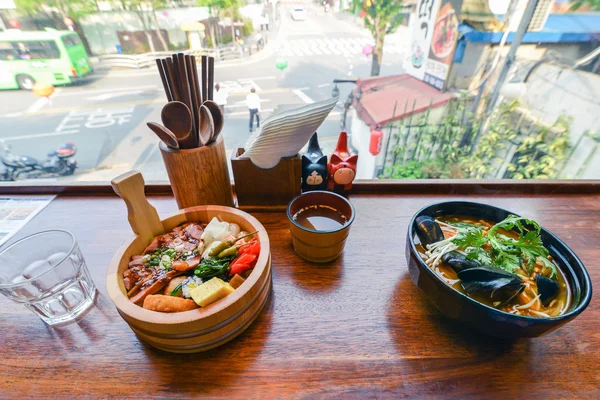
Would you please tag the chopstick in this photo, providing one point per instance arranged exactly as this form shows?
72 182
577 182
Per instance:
186 95
211 77
204 78
173 79
163 78
193 82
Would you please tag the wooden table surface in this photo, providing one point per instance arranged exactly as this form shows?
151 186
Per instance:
357 328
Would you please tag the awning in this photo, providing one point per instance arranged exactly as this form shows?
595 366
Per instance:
379 94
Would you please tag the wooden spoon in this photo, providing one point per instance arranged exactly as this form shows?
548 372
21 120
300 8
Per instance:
176 116
217 116
164 134
207 126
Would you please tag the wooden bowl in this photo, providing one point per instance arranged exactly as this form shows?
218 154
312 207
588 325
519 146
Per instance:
203 328
319 246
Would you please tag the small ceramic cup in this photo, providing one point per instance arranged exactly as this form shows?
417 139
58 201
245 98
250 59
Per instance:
319 246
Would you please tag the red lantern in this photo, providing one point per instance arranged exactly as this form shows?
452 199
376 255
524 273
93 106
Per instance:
363 13
376 141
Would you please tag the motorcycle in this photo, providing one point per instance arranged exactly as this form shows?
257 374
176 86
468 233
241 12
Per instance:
59 163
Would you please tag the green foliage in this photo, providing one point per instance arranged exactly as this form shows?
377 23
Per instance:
382 16
593 4
248 27
539 154
218 4
434 151
72 8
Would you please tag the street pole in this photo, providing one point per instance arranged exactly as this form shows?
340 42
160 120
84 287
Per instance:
512 52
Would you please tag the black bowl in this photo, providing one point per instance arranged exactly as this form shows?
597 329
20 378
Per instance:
463 308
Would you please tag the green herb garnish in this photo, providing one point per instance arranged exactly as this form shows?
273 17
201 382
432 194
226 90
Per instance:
502 251
211 267
177 290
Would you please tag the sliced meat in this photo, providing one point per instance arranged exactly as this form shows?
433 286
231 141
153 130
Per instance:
159 242
182 266
154 287
172 285
136 262
193 262
194 230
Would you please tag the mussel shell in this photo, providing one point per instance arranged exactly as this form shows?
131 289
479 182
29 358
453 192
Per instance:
547 288
428 230
501 285
459 261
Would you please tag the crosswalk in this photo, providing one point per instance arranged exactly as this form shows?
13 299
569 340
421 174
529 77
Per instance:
330 46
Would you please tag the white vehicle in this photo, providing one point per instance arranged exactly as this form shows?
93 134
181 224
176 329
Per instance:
298 13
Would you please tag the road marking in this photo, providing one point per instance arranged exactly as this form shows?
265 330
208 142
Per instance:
37 135
107 96
86 92
247 113
158 100
37 105
323 85
303 96
41 102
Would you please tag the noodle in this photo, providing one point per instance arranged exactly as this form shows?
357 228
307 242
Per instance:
526 306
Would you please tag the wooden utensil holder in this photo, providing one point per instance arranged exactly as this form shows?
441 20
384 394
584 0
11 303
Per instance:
199 176
256 186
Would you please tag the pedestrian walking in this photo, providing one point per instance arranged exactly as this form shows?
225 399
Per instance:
253 103
220 97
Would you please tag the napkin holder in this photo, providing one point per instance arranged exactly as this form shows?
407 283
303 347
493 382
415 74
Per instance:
255 186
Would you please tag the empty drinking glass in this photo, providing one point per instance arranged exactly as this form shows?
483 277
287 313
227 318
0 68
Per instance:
47 273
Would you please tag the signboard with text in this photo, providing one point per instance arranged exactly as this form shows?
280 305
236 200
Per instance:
422 32
443 43
434 36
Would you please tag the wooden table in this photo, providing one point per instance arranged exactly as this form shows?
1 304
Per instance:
357 328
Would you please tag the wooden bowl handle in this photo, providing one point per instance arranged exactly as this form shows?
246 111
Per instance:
143 218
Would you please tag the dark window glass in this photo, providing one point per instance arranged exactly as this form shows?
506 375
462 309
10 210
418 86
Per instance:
37 50
71 40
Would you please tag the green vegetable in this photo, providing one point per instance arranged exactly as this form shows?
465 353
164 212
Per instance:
211 267
232 251
177 290
219 248
504 252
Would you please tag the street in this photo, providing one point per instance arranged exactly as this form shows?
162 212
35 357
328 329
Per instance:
106 117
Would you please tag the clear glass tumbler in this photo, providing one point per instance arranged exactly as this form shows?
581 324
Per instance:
47 273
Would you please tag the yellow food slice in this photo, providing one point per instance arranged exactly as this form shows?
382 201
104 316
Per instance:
236 281
211 291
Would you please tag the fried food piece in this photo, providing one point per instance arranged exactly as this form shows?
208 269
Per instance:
172 285
236 281
168 304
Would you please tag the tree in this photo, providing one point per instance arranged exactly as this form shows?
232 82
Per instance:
382 17
592 4
215 7
73 9
140 8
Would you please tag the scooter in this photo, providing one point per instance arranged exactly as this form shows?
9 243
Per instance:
25 167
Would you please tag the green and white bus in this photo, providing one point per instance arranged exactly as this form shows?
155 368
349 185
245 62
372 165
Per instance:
50 56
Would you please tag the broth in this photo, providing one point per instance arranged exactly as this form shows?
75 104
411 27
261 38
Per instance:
558 306
320 218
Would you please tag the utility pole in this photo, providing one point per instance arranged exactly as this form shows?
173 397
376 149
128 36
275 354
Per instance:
512 52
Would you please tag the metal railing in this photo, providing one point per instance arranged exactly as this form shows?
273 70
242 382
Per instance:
137 61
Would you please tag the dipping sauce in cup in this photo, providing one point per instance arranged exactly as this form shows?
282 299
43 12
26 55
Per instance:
319 222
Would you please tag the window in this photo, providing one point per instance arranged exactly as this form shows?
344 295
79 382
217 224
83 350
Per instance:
7 52
410 108
71 40
37 50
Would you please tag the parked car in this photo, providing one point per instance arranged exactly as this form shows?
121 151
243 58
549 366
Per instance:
298 13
